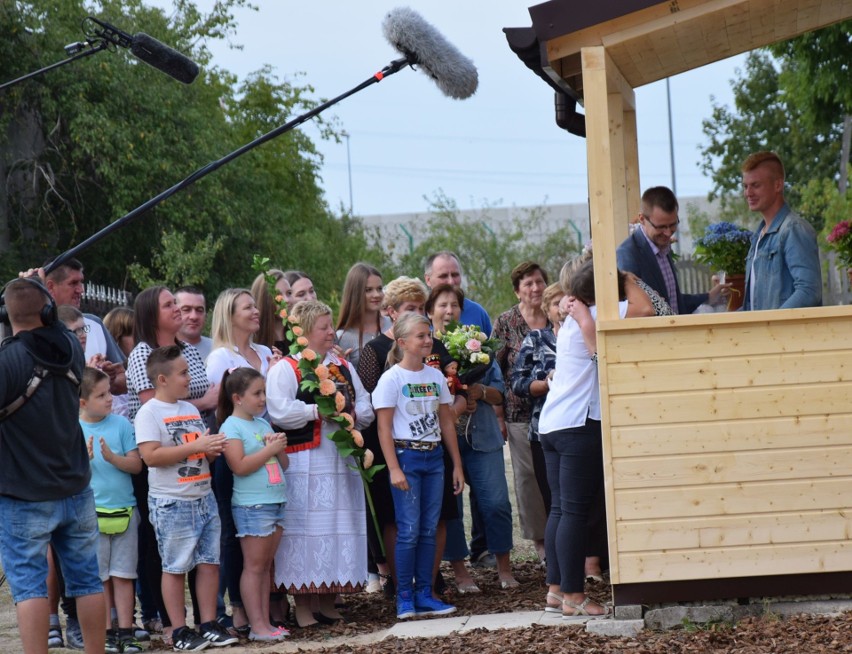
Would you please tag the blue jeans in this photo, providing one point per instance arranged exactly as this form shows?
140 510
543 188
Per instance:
417 511
69 524
485 474
574 459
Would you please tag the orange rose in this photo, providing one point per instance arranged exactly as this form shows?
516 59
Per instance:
309 354
339 402
358 438
348 419
326 387
322 372
302 341
297 331
368 459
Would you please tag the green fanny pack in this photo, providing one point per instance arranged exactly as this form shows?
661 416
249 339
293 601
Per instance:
114 521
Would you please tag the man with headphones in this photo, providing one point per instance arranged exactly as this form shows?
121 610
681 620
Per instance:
44 468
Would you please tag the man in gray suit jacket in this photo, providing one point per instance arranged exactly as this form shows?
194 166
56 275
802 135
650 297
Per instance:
647 252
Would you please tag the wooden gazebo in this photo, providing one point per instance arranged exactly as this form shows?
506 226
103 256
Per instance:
727 437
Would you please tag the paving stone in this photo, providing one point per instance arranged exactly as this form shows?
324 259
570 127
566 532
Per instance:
427 627
814 607
675 616
503 620
628 612
613 627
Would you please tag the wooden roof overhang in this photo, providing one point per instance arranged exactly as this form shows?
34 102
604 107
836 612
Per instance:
648 41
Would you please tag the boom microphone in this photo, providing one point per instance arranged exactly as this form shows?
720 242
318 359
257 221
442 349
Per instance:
162 57
423 45
150 50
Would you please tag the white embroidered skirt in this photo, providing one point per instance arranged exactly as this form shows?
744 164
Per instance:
324 546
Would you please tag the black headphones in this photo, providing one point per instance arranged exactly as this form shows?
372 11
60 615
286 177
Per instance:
47 314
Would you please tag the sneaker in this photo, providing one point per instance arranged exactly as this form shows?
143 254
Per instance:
185 639
140 633
217 635
405 606
425 604
73 635
112 644
54 637
130 643
483 560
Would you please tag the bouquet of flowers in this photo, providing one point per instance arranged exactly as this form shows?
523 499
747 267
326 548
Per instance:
724 246
468 345
840 240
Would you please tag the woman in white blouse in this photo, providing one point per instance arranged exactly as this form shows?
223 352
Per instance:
570 432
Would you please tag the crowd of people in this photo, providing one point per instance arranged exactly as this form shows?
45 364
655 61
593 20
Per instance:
163 455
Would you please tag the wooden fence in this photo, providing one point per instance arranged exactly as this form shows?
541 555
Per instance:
694 277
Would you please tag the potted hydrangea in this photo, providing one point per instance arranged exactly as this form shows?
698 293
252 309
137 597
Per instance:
724 247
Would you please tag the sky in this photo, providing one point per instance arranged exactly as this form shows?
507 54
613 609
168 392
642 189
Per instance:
407 141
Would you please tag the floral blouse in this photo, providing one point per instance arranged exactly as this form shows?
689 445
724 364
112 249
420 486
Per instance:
511 328
536 358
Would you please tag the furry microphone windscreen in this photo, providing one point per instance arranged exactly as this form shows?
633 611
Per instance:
162 57
426 47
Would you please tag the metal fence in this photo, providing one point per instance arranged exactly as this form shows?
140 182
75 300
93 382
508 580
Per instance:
99 299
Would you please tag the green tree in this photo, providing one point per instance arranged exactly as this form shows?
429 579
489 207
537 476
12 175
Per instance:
84 144
487 253
794 98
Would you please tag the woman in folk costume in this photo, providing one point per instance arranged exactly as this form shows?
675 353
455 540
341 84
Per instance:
323 551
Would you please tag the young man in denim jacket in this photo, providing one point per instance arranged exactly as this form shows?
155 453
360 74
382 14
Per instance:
782 267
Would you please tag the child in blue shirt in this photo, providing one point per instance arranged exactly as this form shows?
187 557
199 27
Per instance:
258 459
114 458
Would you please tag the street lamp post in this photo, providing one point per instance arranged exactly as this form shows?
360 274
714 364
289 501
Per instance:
345 135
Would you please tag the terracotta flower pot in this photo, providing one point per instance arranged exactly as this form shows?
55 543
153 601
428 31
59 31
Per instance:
735 299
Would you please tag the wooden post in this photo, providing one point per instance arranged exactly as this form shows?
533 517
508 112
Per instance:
613 160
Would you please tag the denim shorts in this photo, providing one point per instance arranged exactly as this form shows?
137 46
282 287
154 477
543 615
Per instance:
258 519
118 554
70 525
187 532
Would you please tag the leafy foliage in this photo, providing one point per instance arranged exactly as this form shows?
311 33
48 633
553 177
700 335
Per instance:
488 251
84 144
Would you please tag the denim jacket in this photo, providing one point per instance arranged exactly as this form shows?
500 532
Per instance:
786 265
481 428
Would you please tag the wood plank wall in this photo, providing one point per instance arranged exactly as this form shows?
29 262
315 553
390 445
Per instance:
731 444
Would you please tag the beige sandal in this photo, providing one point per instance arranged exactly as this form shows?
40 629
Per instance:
580 612
551 608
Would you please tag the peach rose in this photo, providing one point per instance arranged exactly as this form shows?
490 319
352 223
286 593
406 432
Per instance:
326 387
293 320
339 401
348 419
279 299
309 354
368 459
297 331
283 313
322 372
358 438
302 341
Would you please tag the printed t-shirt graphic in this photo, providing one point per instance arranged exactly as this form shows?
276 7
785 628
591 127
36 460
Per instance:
421 406
182 430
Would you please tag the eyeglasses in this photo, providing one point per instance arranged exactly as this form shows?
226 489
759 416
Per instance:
81 330
672 227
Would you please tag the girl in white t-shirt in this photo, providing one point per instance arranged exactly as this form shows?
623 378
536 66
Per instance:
412 404
257 457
